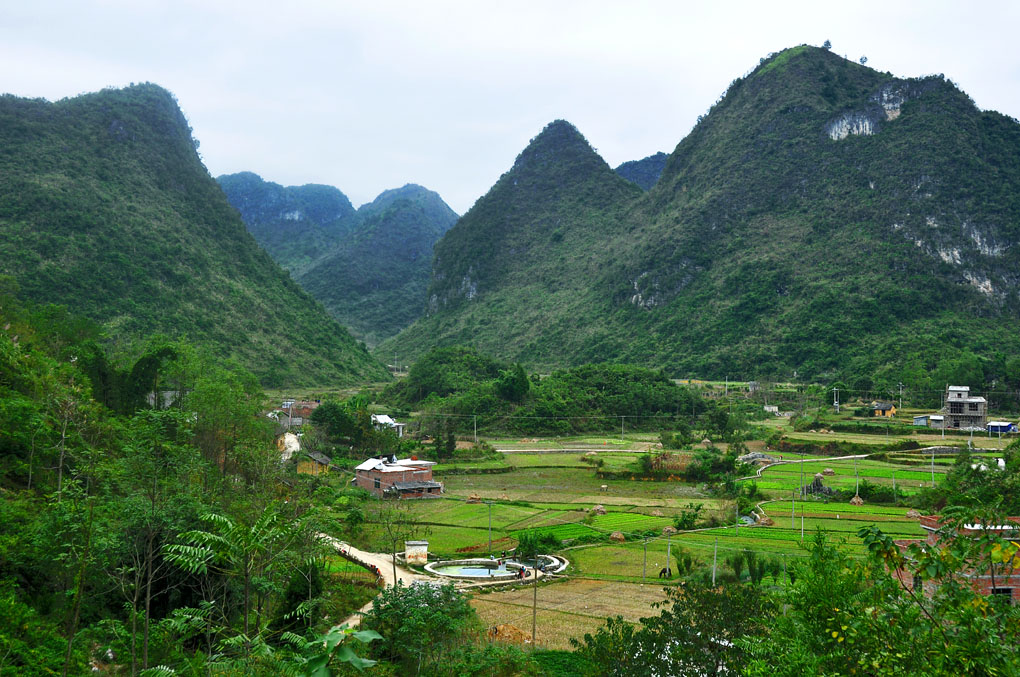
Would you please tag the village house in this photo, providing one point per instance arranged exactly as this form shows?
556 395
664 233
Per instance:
294 413
383 422
387 477
1006 580
930 420
963 411
884 409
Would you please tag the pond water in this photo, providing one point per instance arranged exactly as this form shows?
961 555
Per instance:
474 569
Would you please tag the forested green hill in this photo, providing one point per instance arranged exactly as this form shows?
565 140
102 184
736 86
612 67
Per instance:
822 217
105 207
513 276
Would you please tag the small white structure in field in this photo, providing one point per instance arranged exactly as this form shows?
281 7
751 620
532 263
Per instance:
416 552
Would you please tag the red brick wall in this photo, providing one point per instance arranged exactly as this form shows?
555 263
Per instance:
366 479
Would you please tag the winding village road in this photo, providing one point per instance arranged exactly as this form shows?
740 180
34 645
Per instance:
383 562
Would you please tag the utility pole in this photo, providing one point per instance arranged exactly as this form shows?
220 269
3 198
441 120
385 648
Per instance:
857 488
394 556
644 560
715 557
901 396
668 534
835 399
802 521
621 427
534 602
933 468
489 503
801 475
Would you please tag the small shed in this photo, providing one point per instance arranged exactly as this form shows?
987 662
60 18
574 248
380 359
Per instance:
937 421
921 420
1001 427
313 463
884 409
416 552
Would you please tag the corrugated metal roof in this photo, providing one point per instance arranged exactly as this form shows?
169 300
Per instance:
411 486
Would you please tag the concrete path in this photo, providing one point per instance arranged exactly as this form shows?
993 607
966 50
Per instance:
384 562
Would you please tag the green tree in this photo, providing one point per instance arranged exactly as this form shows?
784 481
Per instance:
695 633
513 384
252 553
419 624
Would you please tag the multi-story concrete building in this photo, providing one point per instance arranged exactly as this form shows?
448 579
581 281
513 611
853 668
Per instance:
964 411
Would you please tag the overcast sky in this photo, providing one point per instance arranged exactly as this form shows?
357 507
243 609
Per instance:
371 95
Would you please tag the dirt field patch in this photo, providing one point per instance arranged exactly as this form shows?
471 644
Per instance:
568 608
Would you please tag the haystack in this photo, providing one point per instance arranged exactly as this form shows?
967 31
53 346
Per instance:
856 500
510 634
504 497
617 537
828 472
598 509
656 513
591 453
474 498
668 530
913 514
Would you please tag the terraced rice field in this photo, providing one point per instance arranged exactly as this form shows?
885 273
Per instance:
788 477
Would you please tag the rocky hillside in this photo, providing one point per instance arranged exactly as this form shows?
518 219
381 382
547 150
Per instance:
108 209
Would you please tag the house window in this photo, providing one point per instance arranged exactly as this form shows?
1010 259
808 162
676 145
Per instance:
917 584
376 482
972 407
956 407
1002 595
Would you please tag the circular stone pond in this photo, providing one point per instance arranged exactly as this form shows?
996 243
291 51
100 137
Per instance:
483 569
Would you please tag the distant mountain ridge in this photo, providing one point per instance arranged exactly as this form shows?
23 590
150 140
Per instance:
369 267
294 223
107 209
374 280
644 172
823 217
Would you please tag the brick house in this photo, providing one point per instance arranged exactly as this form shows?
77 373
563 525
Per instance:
1006 580
387 477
